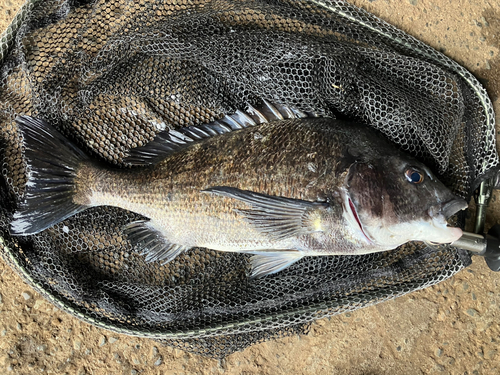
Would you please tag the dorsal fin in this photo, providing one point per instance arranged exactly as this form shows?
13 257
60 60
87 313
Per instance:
170 141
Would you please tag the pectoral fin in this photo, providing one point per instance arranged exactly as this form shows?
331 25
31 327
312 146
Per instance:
271 262
277 217
151 242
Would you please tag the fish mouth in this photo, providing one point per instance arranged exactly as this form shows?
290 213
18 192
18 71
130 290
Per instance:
447 233
351 214
451 207
440 215
444 211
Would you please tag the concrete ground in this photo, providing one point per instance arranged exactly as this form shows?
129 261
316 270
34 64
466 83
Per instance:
450 328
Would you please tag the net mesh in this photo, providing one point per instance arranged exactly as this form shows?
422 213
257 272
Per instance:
110 74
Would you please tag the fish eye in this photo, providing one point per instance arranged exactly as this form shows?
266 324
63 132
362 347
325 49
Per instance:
414 176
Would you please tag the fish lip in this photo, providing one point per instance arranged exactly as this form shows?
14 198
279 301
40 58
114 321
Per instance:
439 221
453 206
353 217
440 215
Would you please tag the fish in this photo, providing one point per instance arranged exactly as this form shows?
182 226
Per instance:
272 182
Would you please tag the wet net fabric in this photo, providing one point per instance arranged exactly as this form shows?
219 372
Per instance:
112 74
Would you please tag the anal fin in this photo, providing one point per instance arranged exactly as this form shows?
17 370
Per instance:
150 242
267 263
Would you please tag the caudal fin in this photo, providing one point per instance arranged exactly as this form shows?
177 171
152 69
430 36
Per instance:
52 162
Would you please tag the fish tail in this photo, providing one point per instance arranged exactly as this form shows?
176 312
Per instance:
53 162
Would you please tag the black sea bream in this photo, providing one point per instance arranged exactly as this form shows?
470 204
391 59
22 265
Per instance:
280 190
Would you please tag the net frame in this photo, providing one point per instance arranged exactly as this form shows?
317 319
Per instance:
314 311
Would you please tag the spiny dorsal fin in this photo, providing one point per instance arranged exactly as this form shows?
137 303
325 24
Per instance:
170 141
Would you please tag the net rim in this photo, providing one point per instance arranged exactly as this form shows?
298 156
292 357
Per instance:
438 58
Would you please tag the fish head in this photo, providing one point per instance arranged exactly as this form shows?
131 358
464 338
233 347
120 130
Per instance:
396 199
